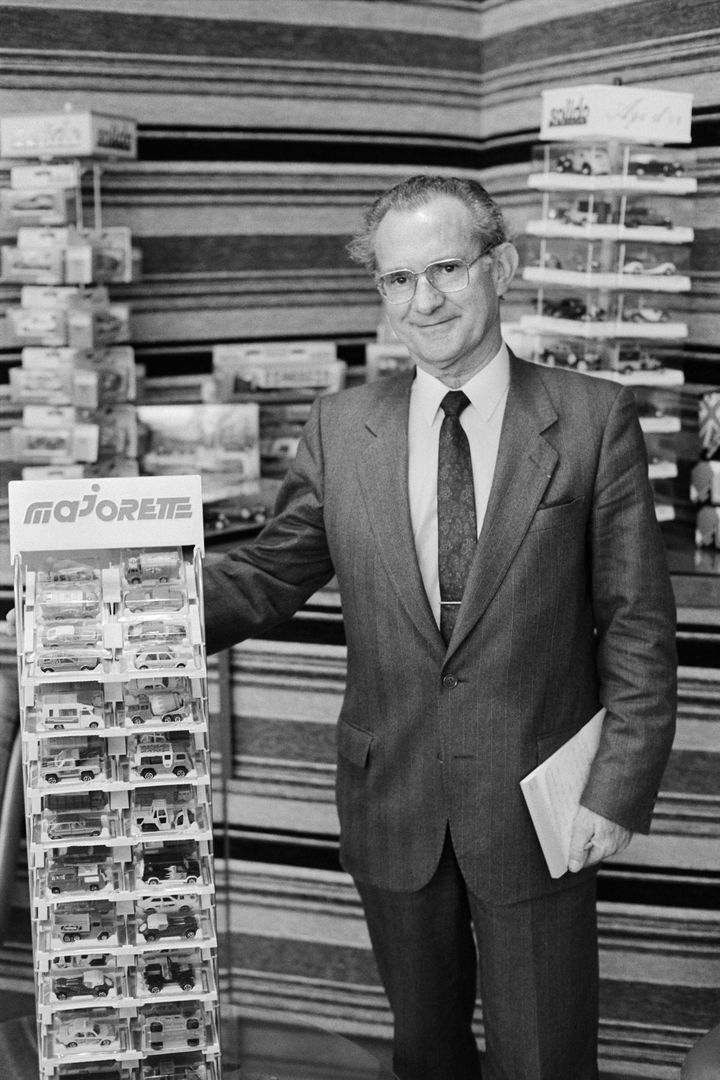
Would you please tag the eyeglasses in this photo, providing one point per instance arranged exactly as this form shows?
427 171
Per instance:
446 275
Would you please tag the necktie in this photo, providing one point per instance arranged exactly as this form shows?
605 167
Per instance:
457 523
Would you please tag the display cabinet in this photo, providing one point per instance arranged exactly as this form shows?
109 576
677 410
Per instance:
116 770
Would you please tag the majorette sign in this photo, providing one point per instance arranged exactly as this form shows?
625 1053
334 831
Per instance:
75 515
631 113
68 134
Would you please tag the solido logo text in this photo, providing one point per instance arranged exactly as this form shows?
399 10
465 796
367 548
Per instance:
572 112
68 511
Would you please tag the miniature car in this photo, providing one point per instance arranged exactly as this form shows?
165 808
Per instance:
641 216
647 165
644 313
58 662
584 211
637 266
157 658
161 926
162 1032
60 830
175 904
565 354
89 984
162 972
146 631
636 359
590 160
157 598
76 877
157 869
71 572
82 1032
571 307
65 766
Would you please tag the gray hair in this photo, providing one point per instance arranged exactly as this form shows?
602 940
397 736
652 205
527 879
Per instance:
417 191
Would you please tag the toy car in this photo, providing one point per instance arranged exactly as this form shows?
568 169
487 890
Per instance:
159 868
89 824
636 359
89 984
571 307
637 266
154 629
584 211
644 313
177 903
164 971
157 598
158 658
588 160
82 1032
161 926
647 165
165 1031
57 662
642 216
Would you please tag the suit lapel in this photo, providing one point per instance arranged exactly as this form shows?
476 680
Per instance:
524 467
382 469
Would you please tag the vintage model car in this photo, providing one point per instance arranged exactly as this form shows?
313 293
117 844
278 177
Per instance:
643 312
642 216
84 1033
636 359
585 210
87 984
587 160
637 266
572 307
649 165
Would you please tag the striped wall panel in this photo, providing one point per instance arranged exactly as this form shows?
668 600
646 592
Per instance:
297 946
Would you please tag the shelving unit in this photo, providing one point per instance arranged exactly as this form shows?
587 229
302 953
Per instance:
116 768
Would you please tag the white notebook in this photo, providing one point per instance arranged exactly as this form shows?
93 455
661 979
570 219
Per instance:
552 792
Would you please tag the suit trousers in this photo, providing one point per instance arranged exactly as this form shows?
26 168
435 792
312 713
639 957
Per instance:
538 979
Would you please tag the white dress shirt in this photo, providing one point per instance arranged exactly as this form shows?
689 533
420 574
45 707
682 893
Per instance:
481 420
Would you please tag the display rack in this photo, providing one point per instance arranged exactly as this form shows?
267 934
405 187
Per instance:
116 767
76 379
610 253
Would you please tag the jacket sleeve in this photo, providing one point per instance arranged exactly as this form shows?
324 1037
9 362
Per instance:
262 583
635 620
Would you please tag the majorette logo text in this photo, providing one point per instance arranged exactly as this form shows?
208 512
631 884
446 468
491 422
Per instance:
572 112
68 511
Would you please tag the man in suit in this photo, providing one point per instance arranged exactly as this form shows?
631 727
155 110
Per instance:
493 599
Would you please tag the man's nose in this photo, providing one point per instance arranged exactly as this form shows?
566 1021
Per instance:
426 298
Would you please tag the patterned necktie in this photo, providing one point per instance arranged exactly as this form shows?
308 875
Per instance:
457 523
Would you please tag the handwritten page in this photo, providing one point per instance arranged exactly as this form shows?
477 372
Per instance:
552 792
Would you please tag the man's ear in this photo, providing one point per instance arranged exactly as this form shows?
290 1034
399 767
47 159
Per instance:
505 263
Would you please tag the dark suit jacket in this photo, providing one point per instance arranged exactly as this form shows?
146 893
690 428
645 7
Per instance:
568 606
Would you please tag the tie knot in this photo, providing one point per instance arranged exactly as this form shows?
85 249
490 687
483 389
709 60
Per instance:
454 402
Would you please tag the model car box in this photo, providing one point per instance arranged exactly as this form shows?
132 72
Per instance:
63 174
245 368
43 265
37 206
70 133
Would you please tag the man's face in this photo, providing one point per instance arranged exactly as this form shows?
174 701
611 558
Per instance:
450 335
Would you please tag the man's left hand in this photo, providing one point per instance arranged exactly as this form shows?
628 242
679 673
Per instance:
594 838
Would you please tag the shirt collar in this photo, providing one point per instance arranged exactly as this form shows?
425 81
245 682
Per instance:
486 389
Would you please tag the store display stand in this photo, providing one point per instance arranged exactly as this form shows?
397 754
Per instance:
116 768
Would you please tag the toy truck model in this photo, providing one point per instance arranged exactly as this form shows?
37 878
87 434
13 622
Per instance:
167 705
65 714
161 926
151 760
69 603
67 767
149 566
98 924
172 1030
163 972
76 878
159 817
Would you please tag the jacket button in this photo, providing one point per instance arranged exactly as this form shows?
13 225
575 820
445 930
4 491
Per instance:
440 757
450 682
